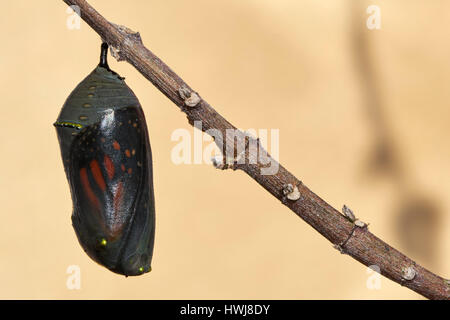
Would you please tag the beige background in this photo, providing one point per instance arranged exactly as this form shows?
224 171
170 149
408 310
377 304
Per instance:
284 64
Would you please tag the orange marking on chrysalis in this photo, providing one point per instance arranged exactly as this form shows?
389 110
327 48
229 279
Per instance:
117 223
127 153
118 197
116 145
109 166
122 167
97 174
87 188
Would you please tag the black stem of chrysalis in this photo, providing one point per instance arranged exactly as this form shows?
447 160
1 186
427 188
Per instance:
104 59
104 56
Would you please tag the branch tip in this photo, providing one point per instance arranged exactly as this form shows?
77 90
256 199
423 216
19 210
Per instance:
190 98
217 162
348 213
408 273
291 192
360 224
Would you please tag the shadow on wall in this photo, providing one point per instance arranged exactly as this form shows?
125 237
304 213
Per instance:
416 216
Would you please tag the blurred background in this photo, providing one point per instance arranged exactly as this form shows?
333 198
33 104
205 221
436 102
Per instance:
363 118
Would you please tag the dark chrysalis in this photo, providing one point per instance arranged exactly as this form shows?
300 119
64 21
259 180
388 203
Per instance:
108 162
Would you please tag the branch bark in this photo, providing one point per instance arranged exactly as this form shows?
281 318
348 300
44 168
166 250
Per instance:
349 237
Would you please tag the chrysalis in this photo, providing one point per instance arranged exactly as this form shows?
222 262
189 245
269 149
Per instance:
108 162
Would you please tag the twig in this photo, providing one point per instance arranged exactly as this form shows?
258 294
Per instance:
352 238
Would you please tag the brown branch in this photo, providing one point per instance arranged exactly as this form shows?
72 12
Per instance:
352 238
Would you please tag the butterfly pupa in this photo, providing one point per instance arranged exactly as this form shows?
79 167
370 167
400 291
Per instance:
107 159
